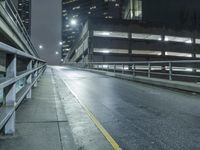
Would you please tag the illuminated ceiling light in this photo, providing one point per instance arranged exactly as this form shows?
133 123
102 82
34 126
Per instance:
73 22
188 41
106 51
159 39
166 39
62 60
189 69
57 52
106 33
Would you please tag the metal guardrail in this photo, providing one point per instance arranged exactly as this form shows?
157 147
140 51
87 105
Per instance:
181 70
12 97
13 14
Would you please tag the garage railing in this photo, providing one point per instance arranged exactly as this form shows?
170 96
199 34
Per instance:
180 70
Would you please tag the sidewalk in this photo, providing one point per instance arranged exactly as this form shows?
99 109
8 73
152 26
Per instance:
53 120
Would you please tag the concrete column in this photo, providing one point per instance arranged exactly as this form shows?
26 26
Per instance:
29 79
10 92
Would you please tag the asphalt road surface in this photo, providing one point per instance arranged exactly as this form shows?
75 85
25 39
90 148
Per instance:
139 116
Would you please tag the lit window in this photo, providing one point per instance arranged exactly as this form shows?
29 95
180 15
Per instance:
178 39
178 54
106 51
146 36
146 52
197 41
111 34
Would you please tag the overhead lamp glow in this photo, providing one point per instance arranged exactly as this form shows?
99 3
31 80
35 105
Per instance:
62 60
106 33
106 51
166 39
189 69
73 22
159 39
60 43
40 47
57 52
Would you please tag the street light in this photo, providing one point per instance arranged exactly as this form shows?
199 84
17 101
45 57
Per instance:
60 43
40 47
73 22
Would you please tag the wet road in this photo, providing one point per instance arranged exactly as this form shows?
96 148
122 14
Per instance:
139 116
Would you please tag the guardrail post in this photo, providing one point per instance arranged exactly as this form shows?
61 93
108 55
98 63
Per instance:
35 73
10 92
133 67
29 79
149 70
122 68
170 71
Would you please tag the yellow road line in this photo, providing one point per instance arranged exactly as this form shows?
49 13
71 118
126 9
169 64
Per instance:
96 122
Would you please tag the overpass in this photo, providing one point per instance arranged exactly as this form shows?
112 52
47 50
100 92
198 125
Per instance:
150 105
90 108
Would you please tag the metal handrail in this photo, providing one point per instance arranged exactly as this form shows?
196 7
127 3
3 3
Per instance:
13 14
188 69
12 99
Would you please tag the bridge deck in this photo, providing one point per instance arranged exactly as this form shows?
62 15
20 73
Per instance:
137 116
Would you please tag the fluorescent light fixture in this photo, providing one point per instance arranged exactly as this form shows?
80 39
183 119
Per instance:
189 69
106 33
57 52
188 41
106 51
178 54
159 39
105 66
166 39
60 43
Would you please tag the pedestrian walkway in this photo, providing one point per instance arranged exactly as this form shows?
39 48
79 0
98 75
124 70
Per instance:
53 120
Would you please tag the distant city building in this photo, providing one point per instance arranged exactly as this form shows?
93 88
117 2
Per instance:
24 10
184 13
132 10
76 12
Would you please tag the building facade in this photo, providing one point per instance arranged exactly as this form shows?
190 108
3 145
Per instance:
79 11
125 40
184 13
24 10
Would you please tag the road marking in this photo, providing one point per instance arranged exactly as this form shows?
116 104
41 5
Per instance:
95 121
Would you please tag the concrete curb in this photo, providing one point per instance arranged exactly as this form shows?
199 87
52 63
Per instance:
191 87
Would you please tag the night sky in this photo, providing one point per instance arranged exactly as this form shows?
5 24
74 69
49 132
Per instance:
46 28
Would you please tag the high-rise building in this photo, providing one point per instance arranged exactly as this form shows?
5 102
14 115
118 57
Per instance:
132 10
76 12
181 13
24 10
